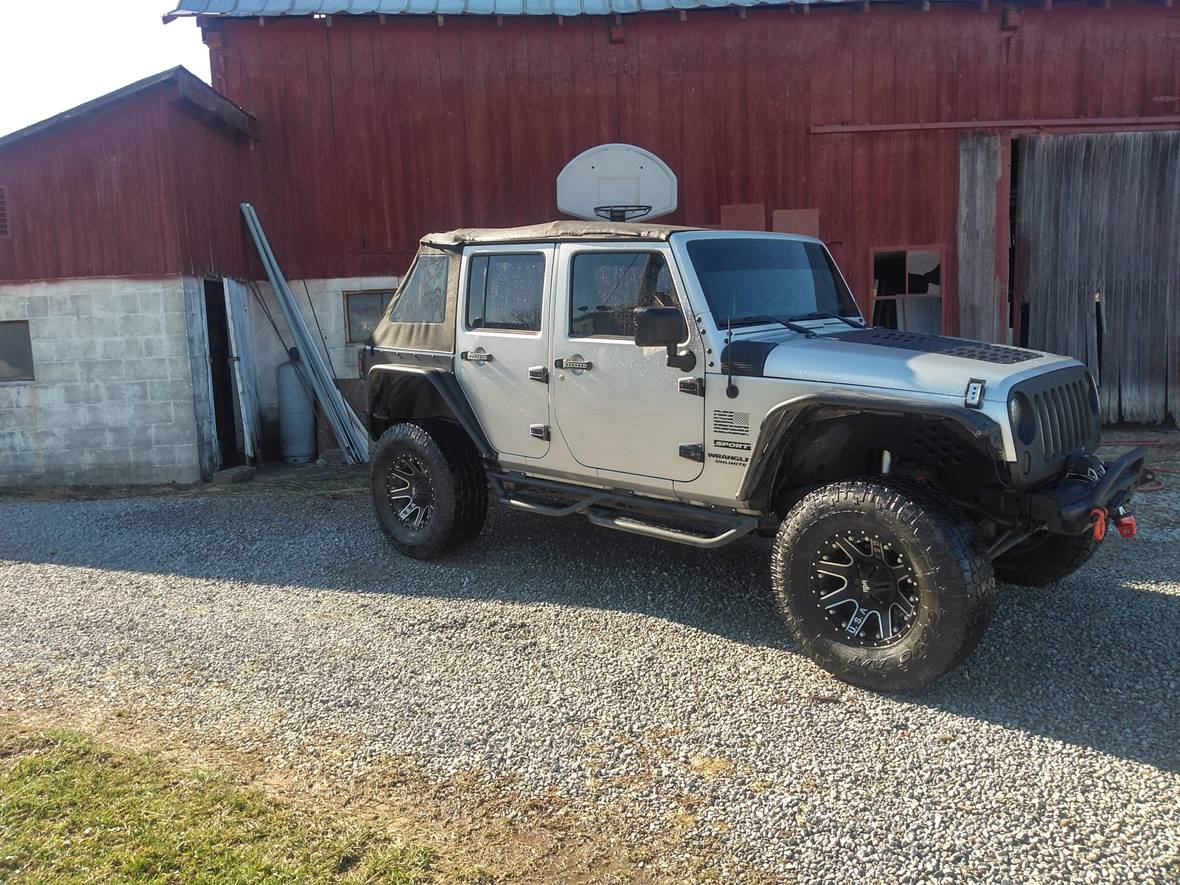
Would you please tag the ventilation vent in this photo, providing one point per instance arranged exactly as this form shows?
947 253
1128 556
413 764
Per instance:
921 343
3 212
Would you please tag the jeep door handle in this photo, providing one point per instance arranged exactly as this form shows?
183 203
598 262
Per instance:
584 365
472 357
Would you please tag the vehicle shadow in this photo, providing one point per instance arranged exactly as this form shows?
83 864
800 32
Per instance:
1092 662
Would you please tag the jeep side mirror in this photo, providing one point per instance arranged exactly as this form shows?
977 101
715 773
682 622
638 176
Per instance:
664 327
660 327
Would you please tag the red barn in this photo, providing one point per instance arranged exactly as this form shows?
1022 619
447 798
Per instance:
1007 173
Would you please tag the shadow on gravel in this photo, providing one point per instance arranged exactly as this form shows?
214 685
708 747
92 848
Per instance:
1092 662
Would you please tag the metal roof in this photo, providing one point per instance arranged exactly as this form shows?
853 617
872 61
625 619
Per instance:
251 8
190 89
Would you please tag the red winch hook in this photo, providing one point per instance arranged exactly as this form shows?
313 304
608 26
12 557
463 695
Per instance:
1098 518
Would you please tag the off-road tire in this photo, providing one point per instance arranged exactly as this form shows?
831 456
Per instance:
1044 559
952 575
457 482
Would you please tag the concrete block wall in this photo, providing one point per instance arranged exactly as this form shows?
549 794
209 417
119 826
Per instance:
328 298
112 401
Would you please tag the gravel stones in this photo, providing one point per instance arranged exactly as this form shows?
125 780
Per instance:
554 659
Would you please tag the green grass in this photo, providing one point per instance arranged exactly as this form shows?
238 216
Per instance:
74 810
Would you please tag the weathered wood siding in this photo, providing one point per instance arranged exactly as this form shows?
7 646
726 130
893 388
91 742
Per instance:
1100 214
373 134
980 289
142 188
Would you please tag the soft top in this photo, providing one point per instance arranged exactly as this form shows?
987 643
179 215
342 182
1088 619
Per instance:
564 229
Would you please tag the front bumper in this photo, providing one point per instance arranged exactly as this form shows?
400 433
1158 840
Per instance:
1065 507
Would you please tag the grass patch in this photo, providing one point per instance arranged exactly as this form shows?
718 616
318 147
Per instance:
75 810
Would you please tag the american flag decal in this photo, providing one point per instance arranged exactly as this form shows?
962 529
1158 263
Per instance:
731 423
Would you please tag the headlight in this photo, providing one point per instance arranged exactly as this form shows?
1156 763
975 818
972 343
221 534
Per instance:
1024 422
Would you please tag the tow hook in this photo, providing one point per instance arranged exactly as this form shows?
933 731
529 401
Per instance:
1125 523
1098 517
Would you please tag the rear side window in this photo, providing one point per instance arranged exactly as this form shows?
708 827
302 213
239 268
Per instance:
505 292
609 288
423 299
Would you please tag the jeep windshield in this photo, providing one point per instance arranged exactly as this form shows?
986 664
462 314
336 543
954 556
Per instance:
768 280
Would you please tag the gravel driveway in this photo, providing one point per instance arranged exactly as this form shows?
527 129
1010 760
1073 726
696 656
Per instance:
605 671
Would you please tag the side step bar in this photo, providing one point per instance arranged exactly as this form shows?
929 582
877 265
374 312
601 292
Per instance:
623 512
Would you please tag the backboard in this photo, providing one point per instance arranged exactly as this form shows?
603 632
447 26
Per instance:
616 182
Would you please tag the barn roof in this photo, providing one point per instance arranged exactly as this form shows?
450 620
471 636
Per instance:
252 8
205 101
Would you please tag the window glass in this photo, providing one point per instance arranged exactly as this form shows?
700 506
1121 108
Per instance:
362 310
907 288
504 292
423 299
743 279
609 287
16 352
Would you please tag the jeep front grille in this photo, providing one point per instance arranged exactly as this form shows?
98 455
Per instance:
1065 420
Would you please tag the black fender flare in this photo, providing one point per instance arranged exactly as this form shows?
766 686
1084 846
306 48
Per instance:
791 416
445 384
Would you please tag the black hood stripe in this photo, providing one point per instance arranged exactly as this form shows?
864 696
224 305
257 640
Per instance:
749 358
919 343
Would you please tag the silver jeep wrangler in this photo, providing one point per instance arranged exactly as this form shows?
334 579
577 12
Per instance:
699 385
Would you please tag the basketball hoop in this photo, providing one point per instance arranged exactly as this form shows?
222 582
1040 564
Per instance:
616 182
621 213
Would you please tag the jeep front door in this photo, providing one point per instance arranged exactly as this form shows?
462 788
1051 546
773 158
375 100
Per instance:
618 406
501 346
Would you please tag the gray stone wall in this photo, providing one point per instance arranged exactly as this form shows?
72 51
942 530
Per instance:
112 401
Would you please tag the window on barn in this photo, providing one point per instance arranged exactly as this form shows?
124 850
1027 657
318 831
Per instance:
16 351
609 287
907 289
504 292
362 310
423 298
5 230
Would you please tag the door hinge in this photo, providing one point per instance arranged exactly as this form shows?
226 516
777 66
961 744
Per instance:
695 386
539 431
693 452
539 373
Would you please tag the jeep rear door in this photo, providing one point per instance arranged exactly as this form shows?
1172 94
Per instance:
501 345
616 405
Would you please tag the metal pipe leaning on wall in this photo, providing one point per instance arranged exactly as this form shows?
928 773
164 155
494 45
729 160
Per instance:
346 426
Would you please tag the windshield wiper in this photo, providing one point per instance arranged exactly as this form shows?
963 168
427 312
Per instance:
827 315
794 327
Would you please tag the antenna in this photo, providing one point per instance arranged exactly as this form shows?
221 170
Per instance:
731 390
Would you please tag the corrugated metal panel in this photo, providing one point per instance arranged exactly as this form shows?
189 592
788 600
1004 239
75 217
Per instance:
252 8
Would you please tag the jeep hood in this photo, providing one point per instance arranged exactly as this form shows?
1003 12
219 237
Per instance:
888 359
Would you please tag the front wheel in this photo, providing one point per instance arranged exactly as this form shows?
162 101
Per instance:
882 583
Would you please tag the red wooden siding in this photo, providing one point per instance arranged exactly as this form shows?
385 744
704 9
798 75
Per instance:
142 188
379 133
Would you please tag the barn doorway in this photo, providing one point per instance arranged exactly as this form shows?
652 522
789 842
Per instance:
221 375
1095 264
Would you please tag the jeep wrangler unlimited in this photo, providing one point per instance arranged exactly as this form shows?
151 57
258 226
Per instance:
699 385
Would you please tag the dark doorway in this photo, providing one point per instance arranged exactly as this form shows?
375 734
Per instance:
221 370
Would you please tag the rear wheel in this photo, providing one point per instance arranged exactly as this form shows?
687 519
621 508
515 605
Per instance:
1044 558
883 584
428 486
